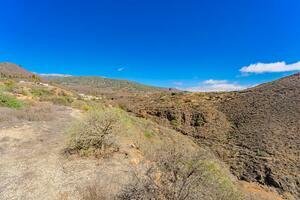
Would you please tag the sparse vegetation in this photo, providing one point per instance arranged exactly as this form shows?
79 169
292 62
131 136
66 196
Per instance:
40 91
95 134
58 100
179 176
9 101
87 105
98 85
9 85
80 104
40 112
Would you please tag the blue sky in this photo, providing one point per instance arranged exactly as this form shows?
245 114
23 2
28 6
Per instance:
195 45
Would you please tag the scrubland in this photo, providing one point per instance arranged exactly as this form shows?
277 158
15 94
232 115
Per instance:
57 144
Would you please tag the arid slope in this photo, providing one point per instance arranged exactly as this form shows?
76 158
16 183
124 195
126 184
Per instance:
12 70
265 134
256 131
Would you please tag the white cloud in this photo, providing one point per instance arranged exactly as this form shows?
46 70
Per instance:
178 83
55 75
212 85
260 68
212 81
121 69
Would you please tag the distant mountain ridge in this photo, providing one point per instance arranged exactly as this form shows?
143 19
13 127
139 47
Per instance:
54 76
98 85
11 70
94 85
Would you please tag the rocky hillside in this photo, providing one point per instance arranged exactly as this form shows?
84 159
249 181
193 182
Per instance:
265 133
256 131
11 70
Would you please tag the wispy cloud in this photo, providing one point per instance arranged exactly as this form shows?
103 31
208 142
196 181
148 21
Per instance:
260 68
177 83
212 85
55 75
213 81
121 69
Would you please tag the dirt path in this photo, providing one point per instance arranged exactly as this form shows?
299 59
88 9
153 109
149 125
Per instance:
33 167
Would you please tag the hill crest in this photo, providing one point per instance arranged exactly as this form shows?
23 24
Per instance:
11 70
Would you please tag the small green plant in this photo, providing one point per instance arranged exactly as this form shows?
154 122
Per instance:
9 101
148 134
261 153
174 122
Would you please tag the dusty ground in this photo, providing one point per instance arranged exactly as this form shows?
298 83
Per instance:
32 165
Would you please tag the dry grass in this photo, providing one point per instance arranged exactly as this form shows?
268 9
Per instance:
39 112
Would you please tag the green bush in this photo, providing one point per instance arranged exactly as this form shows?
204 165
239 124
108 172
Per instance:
9 101
149 134
10 85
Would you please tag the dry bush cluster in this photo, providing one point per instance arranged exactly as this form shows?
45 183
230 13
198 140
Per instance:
94 135
178 176
174 175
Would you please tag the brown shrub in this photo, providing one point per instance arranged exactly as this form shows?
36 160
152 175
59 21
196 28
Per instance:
177 176
94 135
